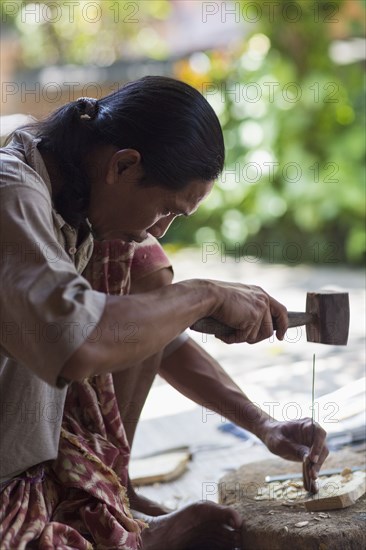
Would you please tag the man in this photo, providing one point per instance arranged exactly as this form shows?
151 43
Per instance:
102 161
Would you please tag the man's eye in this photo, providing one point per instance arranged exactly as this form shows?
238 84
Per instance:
170 213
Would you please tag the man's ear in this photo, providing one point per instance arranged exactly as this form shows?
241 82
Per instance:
122 164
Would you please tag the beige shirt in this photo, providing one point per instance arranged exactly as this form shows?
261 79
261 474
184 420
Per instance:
47 309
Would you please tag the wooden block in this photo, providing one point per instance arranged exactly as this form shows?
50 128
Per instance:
335 493
155 469
271 525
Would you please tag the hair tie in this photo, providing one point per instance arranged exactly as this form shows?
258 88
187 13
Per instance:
88 107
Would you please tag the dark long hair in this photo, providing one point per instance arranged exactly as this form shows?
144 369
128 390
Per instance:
170 123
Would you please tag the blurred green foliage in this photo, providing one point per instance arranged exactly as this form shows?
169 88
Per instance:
83 32
293 120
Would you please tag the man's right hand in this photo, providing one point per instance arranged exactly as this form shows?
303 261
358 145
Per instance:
159 316
249 310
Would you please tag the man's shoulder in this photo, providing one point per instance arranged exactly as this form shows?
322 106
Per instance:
17 171
13 153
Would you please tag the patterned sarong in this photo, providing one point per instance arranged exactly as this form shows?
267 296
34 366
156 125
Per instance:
79 501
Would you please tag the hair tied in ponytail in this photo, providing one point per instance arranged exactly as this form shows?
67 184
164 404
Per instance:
149 115
87 107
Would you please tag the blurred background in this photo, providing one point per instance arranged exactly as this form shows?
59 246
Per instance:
285 78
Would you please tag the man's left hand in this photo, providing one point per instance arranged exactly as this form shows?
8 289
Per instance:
297 439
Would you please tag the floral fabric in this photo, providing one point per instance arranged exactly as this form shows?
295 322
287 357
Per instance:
79 501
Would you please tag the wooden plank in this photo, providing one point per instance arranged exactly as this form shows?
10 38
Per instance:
335 492
162 467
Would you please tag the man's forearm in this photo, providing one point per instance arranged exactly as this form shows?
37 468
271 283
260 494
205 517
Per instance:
135 327
195 374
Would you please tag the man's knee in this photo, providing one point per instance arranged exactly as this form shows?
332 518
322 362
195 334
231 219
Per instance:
153 281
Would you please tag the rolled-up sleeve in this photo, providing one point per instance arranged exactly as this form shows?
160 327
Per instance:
47 309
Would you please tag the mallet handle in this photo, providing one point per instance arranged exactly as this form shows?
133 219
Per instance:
209 325
297 319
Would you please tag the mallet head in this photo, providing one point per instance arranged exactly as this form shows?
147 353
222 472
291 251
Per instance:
330 312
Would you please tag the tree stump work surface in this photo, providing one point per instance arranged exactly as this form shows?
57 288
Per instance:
276 525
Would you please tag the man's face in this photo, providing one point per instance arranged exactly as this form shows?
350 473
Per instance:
125 209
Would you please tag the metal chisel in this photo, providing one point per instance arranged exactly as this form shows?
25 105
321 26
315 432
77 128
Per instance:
310 484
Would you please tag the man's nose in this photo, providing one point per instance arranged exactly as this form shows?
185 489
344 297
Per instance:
159 228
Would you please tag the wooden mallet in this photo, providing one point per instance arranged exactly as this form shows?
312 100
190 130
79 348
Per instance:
326 319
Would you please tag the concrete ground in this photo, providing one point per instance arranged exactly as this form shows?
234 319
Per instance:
276 375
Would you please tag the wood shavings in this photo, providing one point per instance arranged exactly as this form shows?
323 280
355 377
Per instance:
296 484
288 490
